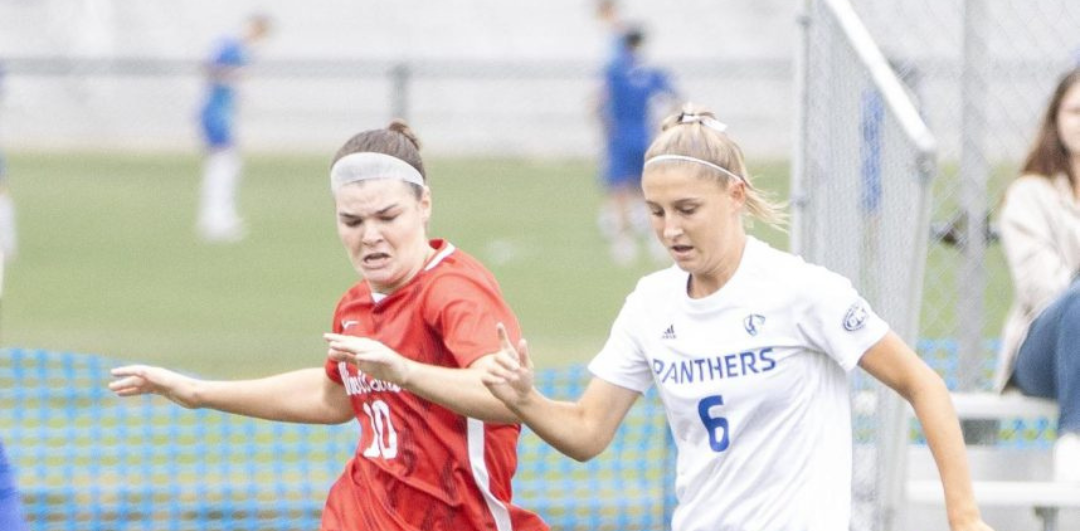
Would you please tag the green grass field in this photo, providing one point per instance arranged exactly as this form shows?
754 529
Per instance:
109 263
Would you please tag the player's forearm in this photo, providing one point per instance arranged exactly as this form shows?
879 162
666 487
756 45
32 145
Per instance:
460 390
298 396
563 425
935 411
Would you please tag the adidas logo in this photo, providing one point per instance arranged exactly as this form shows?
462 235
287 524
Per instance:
669 333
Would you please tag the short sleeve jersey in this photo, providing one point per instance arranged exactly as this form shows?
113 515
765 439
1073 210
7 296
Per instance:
753 379
229 53
420 466
630 87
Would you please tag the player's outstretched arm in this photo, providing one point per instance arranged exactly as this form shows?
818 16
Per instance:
893 363
306 395
458 389
579 429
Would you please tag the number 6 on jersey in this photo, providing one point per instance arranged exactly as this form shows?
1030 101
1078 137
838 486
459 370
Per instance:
718 442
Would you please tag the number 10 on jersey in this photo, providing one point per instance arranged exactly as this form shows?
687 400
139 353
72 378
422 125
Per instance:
383 434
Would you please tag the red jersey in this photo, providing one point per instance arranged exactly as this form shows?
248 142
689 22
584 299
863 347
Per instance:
420 466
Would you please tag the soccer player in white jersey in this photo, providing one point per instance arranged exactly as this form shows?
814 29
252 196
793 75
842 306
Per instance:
749 348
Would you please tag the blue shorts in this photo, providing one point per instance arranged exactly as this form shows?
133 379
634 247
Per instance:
216 127
624 164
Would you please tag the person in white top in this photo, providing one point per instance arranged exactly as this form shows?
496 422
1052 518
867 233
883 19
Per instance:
749 348
1040 233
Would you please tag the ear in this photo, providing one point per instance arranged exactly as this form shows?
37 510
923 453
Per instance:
737 192
425 205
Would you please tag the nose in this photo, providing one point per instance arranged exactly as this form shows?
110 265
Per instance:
671 228
370 234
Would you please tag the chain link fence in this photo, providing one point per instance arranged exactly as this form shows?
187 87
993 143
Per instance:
982 71
861 191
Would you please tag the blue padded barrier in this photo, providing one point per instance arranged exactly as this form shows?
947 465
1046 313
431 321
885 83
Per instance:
88 461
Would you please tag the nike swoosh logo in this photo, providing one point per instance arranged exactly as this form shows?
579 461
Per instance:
346 324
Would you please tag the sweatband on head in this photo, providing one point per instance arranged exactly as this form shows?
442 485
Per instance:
717 167
367 165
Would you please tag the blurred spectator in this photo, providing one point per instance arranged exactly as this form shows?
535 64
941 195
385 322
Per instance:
630 90
1040 231
218 218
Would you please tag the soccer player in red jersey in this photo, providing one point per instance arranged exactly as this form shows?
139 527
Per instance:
437 450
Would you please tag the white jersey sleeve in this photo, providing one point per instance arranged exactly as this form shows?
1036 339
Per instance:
837 320
622 361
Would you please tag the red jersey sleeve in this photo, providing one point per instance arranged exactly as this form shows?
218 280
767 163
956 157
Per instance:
331 367
465 307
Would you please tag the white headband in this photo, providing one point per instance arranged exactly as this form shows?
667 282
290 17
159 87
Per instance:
367 165
721 169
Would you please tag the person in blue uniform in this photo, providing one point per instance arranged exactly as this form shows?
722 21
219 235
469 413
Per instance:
218 219
631 88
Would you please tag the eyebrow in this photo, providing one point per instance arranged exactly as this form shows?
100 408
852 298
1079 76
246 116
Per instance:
678 202
379 212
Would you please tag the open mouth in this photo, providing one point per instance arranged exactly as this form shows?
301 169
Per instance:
375 259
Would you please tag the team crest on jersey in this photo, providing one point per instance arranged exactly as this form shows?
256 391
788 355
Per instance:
856 317
753 323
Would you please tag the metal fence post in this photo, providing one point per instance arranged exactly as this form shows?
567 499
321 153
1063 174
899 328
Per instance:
974 175
400 76
798 199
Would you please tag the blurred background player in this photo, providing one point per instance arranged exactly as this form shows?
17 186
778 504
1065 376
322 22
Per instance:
630 90
218 219
8 235
11 512
437 450
608 13
1040 233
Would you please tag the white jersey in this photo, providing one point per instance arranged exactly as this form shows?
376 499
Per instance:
754 383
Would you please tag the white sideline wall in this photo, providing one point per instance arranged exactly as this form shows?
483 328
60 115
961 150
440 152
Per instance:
987 463
734 57
517 115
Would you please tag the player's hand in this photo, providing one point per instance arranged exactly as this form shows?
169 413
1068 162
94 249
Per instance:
132 380
374 358
977 525
508 374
